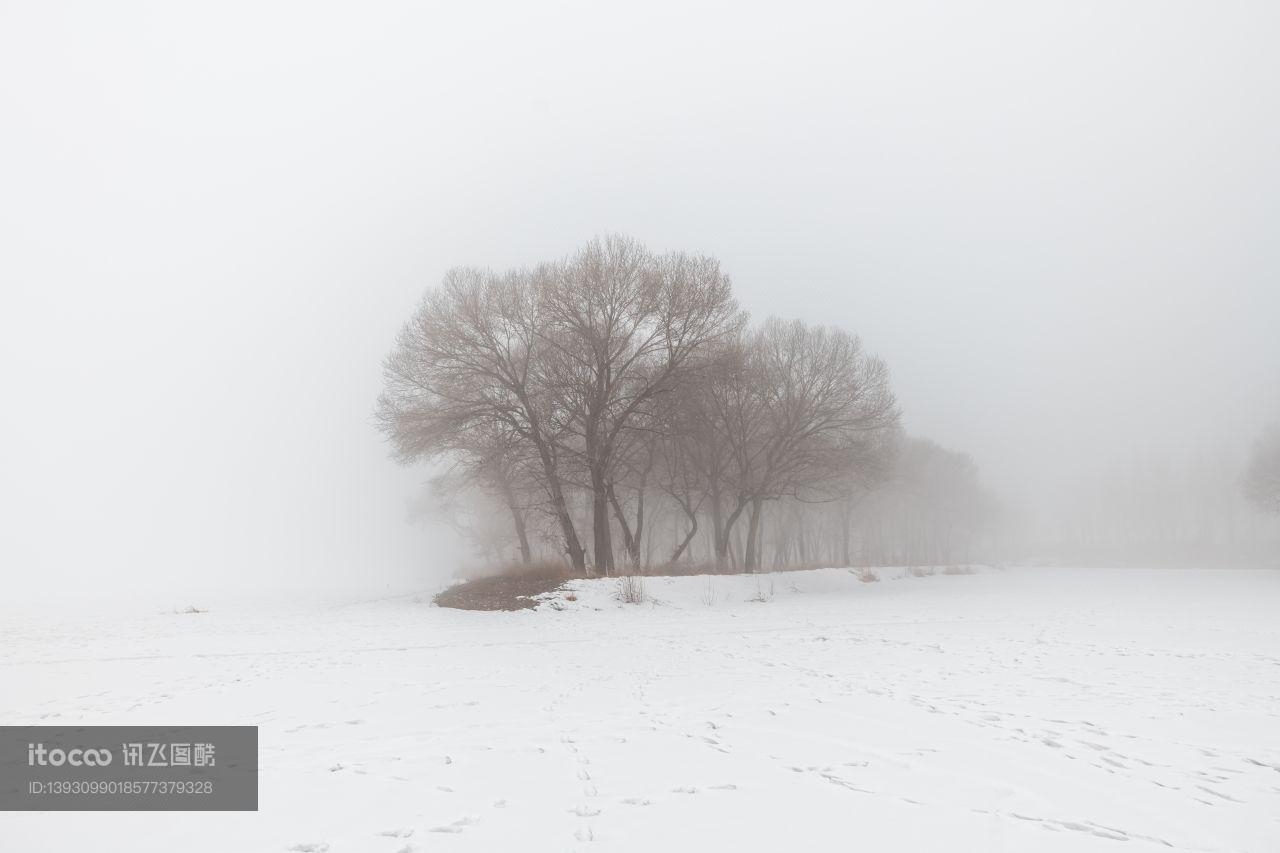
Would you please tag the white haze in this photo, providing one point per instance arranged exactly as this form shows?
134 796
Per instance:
1056 222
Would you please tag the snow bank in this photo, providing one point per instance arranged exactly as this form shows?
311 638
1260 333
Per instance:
703 591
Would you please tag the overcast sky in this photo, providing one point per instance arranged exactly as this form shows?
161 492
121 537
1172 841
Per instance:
1056 221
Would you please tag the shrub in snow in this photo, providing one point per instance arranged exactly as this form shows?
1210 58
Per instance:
631 589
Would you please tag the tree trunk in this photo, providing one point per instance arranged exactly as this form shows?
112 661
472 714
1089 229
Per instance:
723 556
517 517
629 541
572 547
693 517
717 529
636 538
603 539
522 533
846 520
631 538
753 536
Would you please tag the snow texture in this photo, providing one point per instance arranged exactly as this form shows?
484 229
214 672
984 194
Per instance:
1028 709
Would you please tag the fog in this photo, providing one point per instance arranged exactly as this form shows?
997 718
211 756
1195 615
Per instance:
1056 225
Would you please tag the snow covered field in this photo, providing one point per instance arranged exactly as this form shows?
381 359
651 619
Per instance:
1021 710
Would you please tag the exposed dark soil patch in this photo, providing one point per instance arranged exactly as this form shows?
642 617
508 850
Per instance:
497 593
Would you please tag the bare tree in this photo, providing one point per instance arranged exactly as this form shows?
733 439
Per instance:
871 469
628 379
1262 477
635 458
623 324
799 408
472 363
683 473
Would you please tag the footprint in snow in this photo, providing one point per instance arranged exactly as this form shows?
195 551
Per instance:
396 833
457 826
310 847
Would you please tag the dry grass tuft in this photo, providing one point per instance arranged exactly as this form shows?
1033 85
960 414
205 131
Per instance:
631 589
763 593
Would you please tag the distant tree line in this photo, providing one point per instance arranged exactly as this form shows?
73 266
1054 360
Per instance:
1204 505
622 412
1262 475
